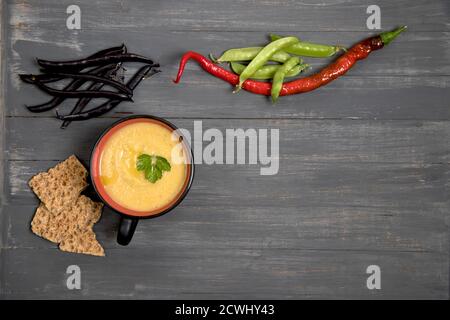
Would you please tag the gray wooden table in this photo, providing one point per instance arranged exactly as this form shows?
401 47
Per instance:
364 161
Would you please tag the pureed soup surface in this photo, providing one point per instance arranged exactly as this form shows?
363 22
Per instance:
124 183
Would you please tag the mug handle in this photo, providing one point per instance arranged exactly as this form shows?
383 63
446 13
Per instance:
126 230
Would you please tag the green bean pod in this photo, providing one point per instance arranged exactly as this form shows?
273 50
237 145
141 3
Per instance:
308 49
264 55
268 71
278 78
247 54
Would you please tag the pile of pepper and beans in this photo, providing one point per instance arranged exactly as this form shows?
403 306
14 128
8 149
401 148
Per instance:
280 50
260 70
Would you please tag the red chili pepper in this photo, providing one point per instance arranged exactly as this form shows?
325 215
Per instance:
334 70
257 87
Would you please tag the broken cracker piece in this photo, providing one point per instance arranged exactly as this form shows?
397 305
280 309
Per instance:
56 227
82 242
60 187
43 225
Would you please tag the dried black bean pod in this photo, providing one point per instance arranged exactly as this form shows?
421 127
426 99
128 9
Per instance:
76 83
109 51
83 102
141 74
73 85
83 93
40 78
89 62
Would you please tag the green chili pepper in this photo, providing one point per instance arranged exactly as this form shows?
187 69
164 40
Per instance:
247 54
263 56
278 78
308 49
267 71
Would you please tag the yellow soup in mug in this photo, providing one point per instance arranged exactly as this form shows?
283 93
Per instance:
121 179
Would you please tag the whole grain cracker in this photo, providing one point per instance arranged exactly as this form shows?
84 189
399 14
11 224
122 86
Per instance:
60 186
56 227
82 242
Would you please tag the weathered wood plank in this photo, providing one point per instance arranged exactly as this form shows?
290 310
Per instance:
305 184
413 53
171 272
2 137
306 140
377 217
234 15
395 73
364 98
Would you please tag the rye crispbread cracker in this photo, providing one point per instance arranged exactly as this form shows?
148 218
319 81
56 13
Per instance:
60 186
64 216
56 227
82 242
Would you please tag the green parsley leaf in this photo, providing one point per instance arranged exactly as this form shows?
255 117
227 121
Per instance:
153 166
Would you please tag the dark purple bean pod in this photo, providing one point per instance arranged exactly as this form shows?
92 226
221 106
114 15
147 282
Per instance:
109 51
89 62
73 85
114 51
46 78
76 83
83 102
88 77
141 74
83 93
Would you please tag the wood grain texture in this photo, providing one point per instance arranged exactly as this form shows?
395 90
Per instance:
364 161
233 15
2 159
231 273
303 140
396 73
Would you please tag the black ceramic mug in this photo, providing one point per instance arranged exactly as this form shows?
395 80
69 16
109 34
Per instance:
129 217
